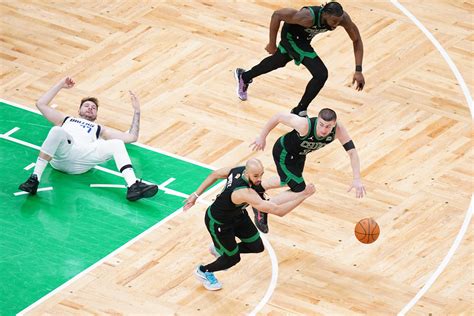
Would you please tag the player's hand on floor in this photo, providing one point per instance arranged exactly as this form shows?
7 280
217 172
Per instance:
258 144
359 188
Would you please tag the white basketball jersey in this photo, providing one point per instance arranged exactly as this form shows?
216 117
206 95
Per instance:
83 131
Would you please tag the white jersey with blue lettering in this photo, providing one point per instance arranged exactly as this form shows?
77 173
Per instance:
81 130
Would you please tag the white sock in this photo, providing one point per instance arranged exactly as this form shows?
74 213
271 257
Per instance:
129 176
39 167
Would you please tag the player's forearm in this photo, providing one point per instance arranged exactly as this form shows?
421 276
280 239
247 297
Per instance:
269 126
206 183
274 27
358 51
283 209
135 128
46 98
355 163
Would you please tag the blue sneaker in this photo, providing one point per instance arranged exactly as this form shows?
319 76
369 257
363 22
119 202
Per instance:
207 279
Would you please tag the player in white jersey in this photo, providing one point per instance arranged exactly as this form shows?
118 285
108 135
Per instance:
77 144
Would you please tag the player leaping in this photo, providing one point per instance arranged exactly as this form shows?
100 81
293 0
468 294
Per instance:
291 149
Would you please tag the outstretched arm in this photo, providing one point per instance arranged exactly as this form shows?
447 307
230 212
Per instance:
354 34
343 136
280 209
132 135
213 177
52 115
302 17
300 124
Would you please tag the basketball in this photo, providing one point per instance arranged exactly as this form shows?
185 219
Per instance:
367 230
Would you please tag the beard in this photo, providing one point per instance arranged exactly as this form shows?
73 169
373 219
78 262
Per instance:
256 183
89 117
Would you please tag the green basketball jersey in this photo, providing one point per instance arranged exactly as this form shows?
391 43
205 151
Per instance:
303 145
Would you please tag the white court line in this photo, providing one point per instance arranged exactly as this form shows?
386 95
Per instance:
118 174
468 217
160 151
205 202
201 199
20 106
167 182
129 243
161 186
194 162
13 130
39 190
31 165
444 263
274 280
20 142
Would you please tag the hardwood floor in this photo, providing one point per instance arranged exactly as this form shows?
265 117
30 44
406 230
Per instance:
411 125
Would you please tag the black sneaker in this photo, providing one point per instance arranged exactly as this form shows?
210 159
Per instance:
297 111
261 220
140 190
30 185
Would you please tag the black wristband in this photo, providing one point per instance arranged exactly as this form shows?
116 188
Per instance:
349 145
358 68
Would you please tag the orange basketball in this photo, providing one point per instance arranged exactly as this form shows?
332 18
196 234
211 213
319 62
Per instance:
367 230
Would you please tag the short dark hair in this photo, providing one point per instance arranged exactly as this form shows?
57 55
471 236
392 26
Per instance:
92 99
328 115
333 8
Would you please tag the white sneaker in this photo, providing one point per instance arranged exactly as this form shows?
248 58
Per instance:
207 279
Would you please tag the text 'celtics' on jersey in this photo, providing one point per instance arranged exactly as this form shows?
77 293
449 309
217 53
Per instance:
296 144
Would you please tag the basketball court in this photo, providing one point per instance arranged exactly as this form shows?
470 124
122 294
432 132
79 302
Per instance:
79 247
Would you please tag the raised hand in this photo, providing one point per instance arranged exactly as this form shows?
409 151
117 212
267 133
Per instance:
68 82
135 102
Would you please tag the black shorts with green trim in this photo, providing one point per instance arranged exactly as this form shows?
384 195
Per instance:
290 167
224 234
296 50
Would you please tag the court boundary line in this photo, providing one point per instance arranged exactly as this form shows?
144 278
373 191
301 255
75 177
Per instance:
469 212
163 188
160 151
201 199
